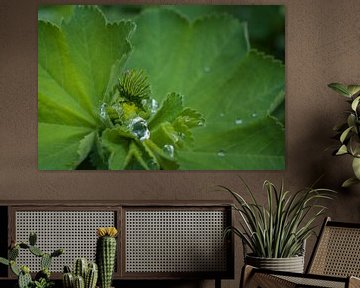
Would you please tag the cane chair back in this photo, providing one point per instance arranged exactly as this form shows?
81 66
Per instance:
337 252
335 262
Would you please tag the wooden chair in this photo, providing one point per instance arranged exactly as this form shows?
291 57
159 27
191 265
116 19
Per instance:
335 262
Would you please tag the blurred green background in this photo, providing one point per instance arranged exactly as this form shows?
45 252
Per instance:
266 23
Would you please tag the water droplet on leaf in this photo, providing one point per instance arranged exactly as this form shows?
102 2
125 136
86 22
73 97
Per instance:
103 111
254 115
206 69
154 105
221 153
152 165
138 127
238 121
222 114
169 150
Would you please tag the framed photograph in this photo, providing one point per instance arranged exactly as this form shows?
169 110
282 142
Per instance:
161 87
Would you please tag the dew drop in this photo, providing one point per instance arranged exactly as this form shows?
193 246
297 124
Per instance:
254 115
169 150
201 123
138 127
222 114
238 121
118 109
103 111
154 105
221 153
152 165
206 69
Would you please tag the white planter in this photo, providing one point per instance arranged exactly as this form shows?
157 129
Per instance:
291 264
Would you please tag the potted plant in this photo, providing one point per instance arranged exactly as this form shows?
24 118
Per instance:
349 132
42 278
276 233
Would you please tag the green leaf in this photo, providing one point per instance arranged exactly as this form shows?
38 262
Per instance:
340 88
60 145
117 147
79 63
345 90
4 261
234 88
169 110
355 103
55 13
345 134
236 148
349 182
356 167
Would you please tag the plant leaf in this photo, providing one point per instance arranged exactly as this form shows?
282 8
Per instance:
235 88
79 61
356 167
351 181
342 150
340 88
60 150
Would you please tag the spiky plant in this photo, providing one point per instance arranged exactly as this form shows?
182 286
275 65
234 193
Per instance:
84 274
279 229
42 278
106 254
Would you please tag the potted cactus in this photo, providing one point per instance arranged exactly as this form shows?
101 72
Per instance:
42 278
84 275
106 254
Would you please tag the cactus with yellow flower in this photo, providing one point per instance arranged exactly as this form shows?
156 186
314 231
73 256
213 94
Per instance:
106 254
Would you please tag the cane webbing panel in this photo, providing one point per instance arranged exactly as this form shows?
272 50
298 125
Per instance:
263 280
338 252
300 282
75 231
175 241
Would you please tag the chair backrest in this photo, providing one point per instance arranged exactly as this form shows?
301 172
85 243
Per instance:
337 251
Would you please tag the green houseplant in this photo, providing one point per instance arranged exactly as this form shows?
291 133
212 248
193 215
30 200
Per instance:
42 278
276 233
349 132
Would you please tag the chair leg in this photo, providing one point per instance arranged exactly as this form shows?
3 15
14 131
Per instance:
246 274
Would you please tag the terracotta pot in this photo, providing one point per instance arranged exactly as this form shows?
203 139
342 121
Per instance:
291 264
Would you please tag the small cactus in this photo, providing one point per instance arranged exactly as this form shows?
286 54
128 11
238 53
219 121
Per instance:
83 274
13 253
36 251
91 276
24 278
79 282
14 268
80 267
106 254
57 252
45 261
68 280
32 238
